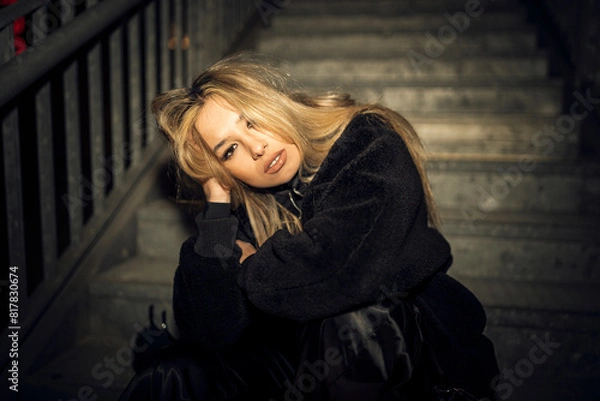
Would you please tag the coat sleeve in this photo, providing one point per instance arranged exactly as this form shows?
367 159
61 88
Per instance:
209 307
365 202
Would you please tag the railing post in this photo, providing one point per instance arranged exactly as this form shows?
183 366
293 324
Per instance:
164 63
134 86
73 199
14 200
96 128
211 33
201 35
151 58
43 119
185 42
197 32
7 44
117 103
175 43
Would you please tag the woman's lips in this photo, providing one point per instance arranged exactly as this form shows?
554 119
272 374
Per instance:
274 164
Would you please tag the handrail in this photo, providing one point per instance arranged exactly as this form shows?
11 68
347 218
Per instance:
20 72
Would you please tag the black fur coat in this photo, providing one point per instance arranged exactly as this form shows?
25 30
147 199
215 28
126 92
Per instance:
365 236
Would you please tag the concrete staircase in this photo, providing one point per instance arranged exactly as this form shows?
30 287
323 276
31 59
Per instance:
519 208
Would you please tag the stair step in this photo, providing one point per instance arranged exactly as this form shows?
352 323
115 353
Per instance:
518 225
537 246
480 187
421 22
162 228
336 71
542 330
535 295
463 97
416 45
94 369
544 386
390 7
508 137
119 298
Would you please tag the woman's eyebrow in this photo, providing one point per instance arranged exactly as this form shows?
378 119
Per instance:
222 142
216 148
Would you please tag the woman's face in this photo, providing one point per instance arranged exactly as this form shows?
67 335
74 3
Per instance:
259 159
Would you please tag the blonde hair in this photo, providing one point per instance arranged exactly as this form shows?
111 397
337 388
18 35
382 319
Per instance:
274 104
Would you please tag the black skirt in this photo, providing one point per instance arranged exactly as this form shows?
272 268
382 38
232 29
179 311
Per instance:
376 352
359 355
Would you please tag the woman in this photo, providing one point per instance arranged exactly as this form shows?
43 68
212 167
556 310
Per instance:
318 271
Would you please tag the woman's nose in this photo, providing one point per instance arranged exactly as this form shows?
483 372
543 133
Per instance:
258 149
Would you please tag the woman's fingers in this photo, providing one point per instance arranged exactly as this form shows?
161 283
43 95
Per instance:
215 191
247 249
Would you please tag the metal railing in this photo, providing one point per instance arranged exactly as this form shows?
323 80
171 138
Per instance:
74 123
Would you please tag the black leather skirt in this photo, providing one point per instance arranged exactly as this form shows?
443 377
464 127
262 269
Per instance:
366 354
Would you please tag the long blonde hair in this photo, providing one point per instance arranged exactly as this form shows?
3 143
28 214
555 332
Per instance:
274 104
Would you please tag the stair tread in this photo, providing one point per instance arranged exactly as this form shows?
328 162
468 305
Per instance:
483 118
549 228
455 80
347 36
508 217
509 84
350 7
393 59
162 226
549 296
83 366
416 14
309 45
533 97
388 25
564 167
165 208
139 276
447 57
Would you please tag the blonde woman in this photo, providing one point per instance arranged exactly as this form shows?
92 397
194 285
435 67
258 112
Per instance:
318 272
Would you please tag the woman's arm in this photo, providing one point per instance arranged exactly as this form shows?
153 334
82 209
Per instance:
210 308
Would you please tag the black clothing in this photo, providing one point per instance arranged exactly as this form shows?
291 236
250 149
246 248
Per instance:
365 238
365 230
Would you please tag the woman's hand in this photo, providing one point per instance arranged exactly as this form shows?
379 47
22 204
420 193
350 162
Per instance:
247 249
215 192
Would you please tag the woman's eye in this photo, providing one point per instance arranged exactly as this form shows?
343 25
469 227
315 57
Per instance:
229 152
249 125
